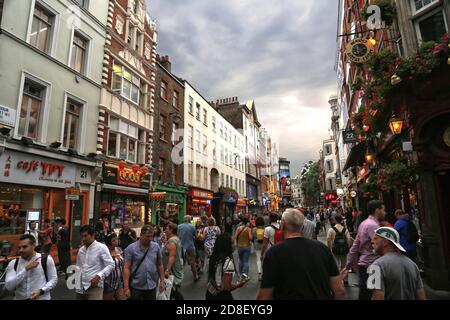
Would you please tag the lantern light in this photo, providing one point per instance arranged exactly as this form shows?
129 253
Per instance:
372 41
396 126
369 157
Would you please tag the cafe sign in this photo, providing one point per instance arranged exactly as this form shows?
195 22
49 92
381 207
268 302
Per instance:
23 168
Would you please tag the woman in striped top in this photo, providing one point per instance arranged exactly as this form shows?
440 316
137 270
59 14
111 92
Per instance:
113 288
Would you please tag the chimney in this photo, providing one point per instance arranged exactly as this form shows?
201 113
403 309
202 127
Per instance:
165 62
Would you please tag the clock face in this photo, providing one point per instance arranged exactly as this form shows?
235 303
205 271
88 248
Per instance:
359 50
446 137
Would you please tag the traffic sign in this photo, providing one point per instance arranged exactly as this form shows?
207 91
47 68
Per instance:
72 194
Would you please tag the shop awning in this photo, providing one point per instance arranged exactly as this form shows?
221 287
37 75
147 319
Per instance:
356 156
123 188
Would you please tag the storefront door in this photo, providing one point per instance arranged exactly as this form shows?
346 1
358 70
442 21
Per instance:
76 220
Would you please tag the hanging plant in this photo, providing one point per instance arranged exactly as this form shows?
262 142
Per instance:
388 11
357 83
370 188
399 173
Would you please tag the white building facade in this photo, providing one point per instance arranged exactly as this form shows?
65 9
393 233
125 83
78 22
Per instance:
214 151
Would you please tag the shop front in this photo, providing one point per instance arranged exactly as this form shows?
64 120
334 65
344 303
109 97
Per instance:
199 202
224 206
123 195
242 206
33 188
168 203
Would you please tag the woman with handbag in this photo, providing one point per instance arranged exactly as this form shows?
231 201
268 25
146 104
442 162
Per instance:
113 288
222 270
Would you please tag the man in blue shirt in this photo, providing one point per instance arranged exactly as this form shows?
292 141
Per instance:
401 225
187 233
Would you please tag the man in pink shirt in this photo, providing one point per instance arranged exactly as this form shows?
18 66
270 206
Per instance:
362 250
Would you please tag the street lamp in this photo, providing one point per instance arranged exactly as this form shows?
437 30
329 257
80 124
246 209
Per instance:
396 126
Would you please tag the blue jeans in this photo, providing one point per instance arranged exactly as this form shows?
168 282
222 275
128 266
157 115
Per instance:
244 255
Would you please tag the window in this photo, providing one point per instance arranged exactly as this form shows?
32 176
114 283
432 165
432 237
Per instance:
130 33
221 129
198 173
175 173
226 156
419 5
126 82
236 183
30 111
214 150
135 6
83 3
163 92
205 144
226 133
190 136
222 155
214 124
162 127
231 182
174 137
205 117
162 167
123 140
197 111
71 124
191 171
431 27
327 149
41 29
222 179
227 181
175 99
191 105
205 177
197 140
137 43
79 49
235 141
329 166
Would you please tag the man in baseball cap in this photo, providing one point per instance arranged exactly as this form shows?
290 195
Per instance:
393 276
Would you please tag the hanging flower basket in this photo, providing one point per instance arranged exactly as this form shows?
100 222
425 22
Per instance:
399 173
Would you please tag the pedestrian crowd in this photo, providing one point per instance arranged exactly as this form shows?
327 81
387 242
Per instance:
290 262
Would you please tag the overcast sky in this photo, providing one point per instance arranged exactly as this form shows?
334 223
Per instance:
279 53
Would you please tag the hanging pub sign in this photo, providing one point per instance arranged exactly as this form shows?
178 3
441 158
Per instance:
349 136
359 50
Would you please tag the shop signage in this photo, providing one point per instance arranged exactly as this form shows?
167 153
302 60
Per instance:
22 168
128 177
112 174
167 197
331 196
200 194
359 50
349 136
72 194
7 116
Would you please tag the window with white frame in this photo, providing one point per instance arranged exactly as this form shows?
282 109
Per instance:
231 182
198 173
174 136
197 140
222 155
126 83
431 26
329 166
72 124
130 34
162 127
419 5
214 150
163 91
226 134
190 136
33 99
175 99
137 43
205 117
205 144
191 105
213 120
79 53
82 3
205 177
226 156
222 179
221 129
197 111
191 172
122 140
42 28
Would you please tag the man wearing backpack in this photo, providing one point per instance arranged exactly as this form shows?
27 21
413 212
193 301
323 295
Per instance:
339 242
32 275
408 234
272 234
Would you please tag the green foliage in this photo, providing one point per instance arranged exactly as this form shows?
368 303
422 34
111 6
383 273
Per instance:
310 181
397 174
388 11
223 189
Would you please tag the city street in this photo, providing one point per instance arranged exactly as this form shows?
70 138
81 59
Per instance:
196 290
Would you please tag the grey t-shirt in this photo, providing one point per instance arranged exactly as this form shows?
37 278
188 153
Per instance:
396 275
308 229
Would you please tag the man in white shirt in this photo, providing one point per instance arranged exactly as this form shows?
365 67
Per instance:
95 263
27 276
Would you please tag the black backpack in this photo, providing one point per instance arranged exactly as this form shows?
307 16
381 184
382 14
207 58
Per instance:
412 235
43 265
340 245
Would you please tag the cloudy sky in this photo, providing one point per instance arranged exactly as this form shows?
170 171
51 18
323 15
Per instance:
279 53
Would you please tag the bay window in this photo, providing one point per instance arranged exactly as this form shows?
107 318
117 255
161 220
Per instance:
127 83
123 140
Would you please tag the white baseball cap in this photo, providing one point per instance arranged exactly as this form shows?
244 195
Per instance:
390 234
